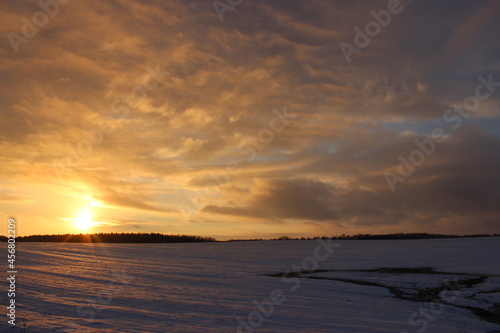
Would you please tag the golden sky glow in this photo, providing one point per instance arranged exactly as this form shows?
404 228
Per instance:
156 116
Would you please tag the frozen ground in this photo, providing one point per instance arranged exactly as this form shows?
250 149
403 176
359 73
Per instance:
450 285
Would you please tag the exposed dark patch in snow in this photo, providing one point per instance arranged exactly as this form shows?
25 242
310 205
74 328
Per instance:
415 294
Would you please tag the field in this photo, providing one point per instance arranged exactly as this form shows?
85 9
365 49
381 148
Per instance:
440 285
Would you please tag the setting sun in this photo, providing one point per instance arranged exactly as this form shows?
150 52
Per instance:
84 220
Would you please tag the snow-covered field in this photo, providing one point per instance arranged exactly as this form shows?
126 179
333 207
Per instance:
222 287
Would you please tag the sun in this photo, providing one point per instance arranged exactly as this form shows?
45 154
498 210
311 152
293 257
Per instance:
84 220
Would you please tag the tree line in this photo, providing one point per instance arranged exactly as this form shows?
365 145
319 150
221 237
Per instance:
418 235
113 238
162 238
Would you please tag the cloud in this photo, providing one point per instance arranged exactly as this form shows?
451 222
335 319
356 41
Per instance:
128 201
325 170
461 179
293 199
9 197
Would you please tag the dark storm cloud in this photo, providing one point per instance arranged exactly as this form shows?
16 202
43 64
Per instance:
297 199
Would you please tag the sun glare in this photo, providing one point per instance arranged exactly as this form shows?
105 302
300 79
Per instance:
84 220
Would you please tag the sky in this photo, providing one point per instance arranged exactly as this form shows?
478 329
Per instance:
250 119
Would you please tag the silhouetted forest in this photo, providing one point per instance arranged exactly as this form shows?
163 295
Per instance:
113 238
371 236
161 238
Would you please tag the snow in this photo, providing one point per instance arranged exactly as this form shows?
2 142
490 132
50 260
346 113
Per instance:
214 287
